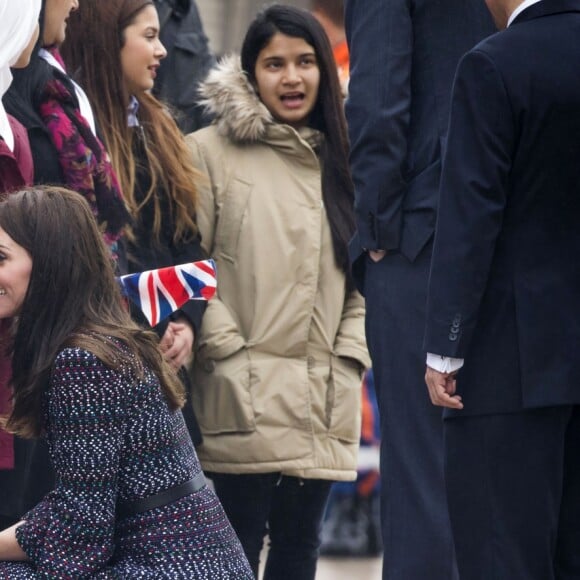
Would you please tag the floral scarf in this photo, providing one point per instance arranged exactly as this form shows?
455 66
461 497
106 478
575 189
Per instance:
84 161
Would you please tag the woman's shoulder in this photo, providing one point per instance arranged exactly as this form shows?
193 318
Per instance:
83 388
78 361
70 355
211 151
96 353
78 372
206 136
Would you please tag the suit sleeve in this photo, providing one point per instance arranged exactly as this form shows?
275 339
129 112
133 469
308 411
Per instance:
473 195
380 39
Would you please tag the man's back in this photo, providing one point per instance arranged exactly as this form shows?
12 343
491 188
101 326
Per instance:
527 170
504 295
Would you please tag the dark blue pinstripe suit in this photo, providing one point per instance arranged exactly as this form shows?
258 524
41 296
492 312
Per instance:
403 59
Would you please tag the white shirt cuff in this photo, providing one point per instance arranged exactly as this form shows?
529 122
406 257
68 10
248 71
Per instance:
444 364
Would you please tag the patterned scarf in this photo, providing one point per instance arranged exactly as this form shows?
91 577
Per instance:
84 161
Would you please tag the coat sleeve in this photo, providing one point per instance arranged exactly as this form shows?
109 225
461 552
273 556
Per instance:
473 196
380 38
221 335
71 532
350 339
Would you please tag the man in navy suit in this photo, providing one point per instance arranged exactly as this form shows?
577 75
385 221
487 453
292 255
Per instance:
403 59
504 298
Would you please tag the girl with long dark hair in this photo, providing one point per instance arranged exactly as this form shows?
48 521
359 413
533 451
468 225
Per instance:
277 371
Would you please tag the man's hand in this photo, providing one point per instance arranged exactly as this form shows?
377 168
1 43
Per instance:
442 388
377 255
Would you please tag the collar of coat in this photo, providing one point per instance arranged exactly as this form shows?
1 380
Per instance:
239 114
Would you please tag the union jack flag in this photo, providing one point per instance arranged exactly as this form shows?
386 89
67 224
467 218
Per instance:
160 292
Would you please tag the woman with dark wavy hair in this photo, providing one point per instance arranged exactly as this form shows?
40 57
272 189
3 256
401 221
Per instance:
66 151
130 499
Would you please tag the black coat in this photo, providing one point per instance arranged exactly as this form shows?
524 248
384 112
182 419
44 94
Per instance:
145 252
188 61
505 279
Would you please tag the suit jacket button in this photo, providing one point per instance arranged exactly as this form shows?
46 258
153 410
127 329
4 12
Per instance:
209 366
453 337
310 362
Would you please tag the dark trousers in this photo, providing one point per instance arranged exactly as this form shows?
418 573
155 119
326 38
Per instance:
513 483
415 524
289 509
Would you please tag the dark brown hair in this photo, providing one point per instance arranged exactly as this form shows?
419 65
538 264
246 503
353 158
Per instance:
327 115
92 52
72 300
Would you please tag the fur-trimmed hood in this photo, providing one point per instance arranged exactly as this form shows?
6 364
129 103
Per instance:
229 97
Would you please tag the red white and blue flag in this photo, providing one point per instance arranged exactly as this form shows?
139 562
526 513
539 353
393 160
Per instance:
160 292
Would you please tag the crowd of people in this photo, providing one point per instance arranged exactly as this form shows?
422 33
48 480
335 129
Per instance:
433 216
102 478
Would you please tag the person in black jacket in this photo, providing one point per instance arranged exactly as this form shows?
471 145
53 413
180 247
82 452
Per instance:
189 59
147 149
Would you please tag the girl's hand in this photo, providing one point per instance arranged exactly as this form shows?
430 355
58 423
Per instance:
177 343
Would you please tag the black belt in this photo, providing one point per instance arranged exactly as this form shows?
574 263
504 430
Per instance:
131 508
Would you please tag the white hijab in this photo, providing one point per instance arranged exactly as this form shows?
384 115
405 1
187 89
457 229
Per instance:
18 19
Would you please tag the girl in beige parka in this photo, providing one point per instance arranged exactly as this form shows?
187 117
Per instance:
281 349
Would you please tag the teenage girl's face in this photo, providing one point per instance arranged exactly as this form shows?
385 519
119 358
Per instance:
142 51
56 14
25 55
15 270
287 79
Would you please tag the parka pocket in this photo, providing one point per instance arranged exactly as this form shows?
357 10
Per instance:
344 399
231 216
221 394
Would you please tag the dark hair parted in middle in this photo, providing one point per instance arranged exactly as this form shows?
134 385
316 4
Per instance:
72 300
327 115
92 52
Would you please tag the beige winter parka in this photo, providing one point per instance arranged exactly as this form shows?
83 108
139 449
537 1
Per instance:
277 370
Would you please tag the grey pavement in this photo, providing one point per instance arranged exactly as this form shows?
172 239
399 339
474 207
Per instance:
349 569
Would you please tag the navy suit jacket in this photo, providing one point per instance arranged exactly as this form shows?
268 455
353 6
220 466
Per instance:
403 57
505 279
